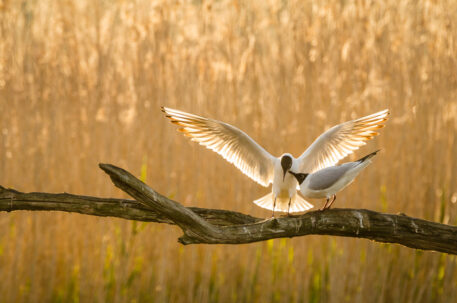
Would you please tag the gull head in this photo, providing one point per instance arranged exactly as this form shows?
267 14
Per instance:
299 176
286 164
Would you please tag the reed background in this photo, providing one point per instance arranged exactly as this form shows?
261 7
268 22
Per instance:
82 82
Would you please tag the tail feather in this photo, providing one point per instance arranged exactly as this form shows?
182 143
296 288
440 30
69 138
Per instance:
266 201
359 165
298 204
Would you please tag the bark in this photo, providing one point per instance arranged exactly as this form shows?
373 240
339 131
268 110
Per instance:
12 200
213 226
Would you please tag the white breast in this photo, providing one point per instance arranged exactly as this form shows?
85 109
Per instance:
286 188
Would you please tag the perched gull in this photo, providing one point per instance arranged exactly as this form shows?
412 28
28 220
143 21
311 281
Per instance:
254 161
325 183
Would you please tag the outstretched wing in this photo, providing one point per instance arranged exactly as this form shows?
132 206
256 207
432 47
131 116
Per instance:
340 141
229 142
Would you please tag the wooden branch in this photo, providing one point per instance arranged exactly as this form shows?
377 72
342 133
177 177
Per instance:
227 227
358 223
12 200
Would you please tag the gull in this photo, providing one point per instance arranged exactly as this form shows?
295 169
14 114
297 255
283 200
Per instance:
254 161
326 182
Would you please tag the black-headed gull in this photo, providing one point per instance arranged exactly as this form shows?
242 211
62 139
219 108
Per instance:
326 182
253 160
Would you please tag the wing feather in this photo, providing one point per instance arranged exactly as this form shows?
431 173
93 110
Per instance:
340 141
228 141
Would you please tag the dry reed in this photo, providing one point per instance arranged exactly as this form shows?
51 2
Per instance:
81 82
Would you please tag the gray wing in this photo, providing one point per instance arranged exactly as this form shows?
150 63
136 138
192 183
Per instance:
228 141
340 141
326 177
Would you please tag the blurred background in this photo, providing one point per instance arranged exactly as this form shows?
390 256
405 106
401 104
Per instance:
82 82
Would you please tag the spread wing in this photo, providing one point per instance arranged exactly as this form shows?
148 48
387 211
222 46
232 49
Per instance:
340 141
229 142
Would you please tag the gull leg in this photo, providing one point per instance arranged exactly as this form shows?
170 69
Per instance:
274 206
334 198
323 207
288 208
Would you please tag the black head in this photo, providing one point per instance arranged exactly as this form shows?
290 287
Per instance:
299 176
286 164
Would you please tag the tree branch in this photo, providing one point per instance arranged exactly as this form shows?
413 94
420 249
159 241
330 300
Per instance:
12 200
228 227
358 223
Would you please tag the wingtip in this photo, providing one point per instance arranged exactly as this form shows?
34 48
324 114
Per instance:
375 152
369 156
168 110
385 113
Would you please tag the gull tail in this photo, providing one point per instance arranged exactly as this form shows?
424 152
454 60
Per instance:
359 165
298 204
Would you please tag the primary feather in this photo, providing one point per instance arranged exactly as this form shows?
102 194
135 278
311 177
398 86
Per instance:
340 141
229 142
